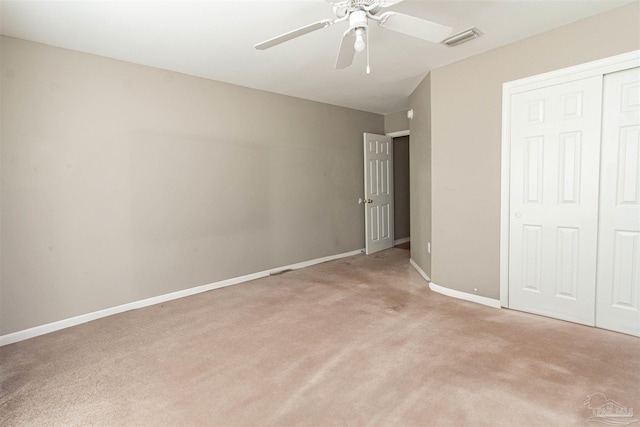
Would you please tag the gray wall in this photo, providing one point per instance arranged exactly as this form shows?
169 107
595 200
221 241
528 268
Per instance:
420 174
122 182
396 122
401 217
466 104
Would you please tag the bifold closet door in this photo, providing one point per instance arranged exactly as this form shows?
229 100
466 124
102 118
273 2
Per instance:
555 159
618 284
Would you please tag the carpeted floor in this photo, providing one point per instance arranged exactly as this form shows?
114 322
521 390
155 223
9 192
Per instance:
358 341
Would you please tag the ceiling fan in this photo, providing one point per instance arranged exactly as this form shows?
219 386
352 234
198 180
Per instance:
358 13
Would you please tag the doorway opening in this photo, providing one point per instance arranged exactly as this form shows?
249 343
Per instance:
402 203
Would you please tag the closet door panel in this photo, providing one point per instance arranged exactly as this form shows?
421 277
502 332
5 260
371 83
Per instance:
618 285
555 147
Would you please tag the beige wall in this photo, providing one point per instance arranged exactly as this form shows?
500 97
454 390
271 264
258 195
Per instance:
122 182
396 122
466 102
420 174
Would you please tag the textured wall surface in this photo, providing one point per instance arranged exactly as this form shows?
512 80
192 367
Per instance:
122 182
420 174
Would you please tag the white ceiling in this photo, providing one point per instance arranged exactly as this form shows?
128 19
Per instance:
214 39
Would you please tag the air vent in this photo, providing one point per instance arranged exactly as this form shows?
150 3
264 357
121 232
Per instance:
462 37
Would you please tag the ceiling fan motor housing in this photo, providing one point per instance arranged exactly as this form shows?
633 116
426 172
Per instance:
347 7
365 4
357 19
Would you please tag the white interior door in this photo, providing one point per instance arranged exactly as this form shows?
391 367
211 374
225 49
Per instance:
378 192
618 294
555 145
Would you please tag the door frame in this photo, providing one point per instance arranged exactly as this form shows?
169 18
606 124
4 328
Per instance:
398 134
577 72
394 135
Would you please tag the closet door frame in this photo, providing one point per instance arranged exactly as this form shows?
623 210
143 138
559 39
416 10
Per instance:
565 75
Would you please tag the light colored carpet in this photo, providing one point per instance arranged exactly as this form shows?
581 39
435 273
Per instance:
358 341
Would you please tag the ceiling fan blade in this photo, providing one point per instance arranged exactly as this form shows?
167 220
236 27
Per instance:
415 27
346 52
293 34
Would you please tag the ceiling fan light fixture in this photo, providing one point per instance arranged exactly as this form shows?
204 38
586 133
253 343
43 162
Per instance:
462 37
359 44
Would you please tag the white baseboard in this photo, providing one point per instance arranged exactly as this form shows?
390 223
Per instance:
401 241
419 270
465 296
84 318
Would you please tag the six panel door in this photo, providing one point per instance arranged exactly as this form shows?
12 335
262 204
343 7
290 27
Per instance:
555 145
378 190
618 284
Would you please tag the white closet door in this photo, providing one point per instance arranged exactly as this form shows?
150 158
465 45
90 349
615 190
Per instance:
555 156
618 295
